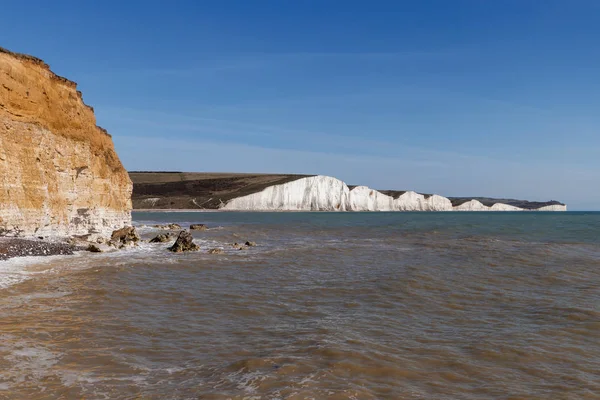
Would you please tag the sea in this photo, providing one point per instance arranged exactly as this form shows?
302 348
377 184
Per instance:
325 306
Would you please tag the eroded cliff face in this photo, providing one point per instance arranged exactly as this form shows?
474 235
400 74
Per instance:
315 193
325 193
59 173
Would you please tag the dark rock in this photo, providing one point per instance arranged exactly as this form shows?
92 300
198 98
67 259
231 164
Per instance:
250 244
172 227
163 237
184 242
198 227
125 236
94 248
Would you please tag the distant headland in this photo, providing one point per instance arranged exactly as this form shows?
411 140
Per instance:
284 192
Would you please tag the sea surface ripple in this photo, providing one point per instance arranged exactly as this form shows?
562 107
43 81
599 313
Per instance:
327 306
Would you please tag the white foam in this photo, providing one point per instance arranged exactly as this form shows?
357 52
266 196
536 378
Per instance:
28 361
20 269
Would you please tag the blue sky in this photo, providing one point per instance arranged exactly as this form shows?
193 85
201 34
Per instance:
491 98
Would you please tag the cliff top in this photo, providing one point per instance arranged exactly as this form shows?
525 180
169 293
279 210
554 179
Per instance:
30 93
40 63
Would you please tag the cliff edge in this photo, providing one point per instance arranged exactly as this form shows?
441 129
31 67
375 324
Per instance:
59 172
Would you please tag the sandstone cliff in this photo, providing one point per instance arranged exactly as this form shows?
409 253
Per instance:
59 173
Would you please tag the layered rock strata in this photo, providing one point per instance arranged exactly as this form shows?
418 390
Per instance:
59 172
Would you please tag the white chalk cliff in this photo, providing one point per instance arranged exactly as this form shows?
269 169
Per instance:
325 193
315 193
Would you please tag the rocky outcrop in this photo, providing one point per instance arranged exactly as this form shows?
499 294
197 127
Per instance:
184 242
59 173
172 227
198 227
125 237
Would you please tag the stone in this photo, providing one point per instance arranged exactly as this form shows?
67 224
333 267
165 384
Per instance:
60 173
184 242
93 248
198 227
215 251
163 237
172 227
250 244
127 236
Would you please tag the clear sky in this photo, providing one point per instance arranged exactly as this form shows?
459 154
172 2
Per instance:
474 98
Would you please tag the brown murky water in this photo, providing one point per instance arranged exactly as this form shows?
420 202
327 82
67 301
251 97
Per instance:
328 306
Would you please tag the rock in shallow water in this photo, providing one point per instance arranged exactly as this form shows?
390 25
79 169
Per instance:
127 236
184 242
163 237
198 227
93 248
215 251
172 227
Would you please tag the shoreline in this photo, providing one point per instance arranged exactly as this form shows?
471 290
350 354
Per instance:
11 247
